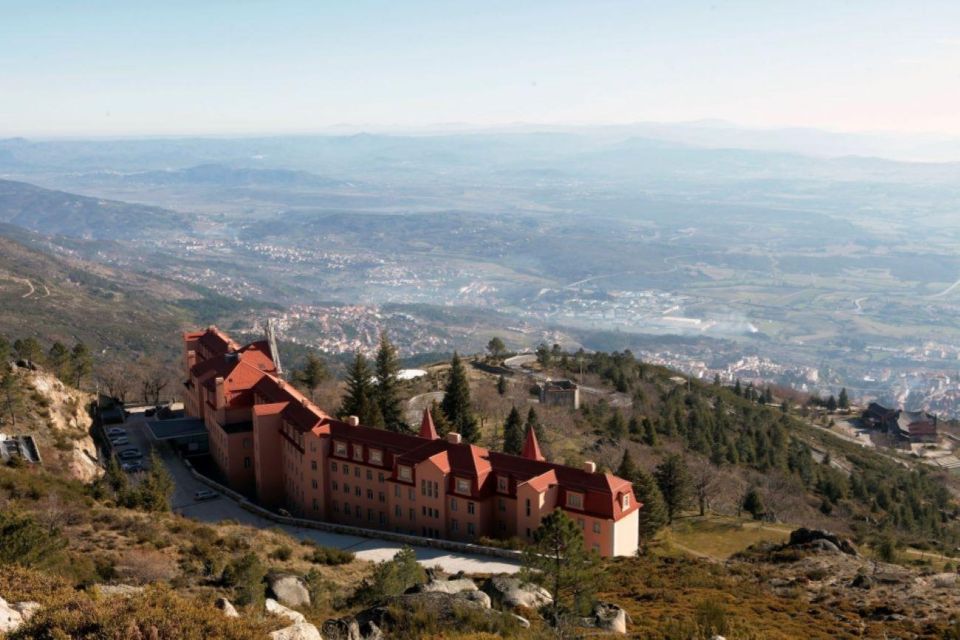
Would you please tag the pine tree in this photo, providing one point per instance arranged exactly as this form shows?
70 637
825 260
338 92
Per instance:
359 400
649 433
737 389
627 469
28 349
456 402
674 482
81 362
844 401
502 385
753 504
831 404
156 489
495 347
4 350
440 422
533 422
558 561
387 392
12 395
513 433
616 426
653 514
58 357
314 372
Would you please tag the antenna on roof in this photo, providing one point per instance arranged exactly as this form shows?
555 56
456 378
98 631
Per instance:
272 341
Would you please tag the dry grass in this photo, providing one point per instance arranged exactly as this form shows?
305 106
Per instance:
720 537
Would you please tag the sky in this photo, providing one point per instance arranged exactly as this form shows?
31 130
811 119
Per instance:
117 68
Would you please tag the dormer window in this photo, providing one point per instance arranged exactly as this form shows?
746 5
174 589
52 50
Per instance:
503 484
463 485
358 452
340 448
405 473
574 500
625 501
376 456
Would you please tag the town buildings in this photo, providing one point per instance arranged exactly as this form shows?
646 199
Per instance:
271 443
559 393
908 427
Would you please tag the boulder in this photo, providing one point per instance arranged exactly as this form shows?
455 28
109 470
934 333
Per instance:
509 593
820 540
124 590
944 580
277 609
444 586
608 617
299 631
228 609
26 609
476 596
862 581
10 618
290 590
523 622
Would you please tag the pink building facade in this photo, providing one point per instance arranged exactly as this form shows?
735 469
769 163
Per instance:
271 442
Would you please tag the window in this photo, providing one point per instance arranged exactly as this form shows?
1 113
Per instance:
397 511
471 507
335 485
314 483
357 491
405 473
412 494
453 504
382 497
369 494
463 485
503 484
574 500
316 507
596 547
358 452
396 491
356 472
369 474
376 456
340 448
596 527
625 501
454 525
413 514
581 523
369 515
313 465
336 507
247 463
471 528
502 504
346 510
380 477
346 488
528 510
247 443
346 469
333 466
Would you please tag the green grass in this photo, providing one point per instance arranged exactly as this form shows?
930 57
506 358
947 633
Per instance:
719 537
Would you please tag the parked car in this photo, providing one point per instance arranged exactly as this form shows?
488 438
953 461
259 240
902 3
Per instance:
130 454
115 431
131 467
205 494
119 440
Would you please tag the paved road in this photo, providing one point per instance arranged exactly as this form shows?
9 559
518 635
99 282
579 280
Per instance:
224 508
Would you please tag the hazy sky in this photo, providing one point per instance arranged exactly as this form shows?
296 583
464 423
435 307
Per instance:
136 67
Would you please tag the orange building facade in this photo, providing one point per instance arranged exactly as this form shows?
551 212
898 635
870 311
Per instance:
271 442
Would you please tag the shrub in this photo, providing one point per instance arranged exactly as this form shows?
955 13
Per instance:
25 541
330 556
391 577
245 576
282 554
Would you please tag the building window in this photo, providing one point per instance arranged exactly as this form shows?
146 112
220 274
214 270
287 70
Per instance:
356 472
369 474
335 485
369 494
596 527
346 488
626 501
346 469
503 484
316 507
357 491
333 466
247 463
463 486
528 510
340 448
412 494
596 547
369 515
247 443
376 456
574 500
454 525
358 452
314 483
502 504
453 504
397 511
405 473
380 477
471 507
471 528
413 514
336 507
313 465
382 497
396 491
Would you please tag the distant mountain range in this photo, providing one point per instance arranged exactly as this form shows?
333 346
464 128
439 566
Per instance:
60 213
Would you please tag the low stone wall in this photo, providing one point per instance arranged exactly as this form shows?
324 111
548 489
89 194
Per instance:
433 543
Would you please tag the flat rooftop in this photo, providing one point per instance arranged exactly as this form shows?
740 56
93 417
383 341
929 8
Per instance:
177 428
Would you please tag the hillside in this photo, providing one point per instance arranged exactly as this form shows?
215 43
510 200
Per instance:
61 213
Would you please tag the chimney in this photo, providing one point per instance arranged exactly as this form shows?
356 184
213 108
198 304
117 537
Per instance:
353 421
191 359
454 438
220 397
590 466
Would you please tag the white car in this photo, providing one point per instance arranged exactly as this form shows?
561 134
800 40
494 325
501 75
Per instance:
205 494
119 440
115 431
130 454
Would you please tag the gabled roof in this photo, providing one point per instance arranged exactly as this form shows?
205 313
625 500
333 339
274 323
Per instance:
427 430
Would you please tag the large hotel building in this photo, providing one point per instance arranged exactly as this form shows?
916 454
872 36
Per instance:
271 443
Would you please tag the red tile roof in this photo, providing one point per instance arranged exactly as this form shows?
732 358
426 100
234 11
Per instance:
531 448
427 430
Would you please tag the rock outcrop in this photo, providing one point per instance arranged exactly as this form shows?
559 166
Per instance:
290 590
444 586
299 631
821 541
10 618
607 617
228 609
509 593
277 609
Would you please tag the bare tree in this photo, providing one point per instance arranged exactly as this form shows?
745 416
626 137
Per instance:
117 380
705 485
152 384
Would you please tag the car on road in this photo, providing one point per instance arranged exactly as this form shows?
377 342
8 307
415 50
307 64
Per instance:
205 494
115 431
130 454
132 467
119 440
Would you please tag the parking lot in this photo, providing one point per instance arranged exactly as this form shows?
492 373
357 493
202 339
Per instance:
223 508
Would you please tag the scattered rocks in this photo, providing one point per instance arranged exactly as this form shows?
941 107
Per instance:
944 580
608 617
26 609
121 590
228 609
476 596
290 590
277 609
444 586
299 631
509 593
